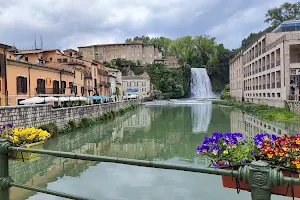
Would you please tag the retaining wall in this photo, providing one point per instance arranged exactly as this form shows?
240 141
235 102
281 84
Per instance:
36 115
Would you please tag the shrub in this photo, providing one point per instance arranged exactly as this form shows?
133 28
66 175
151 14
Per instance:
72 124
51 128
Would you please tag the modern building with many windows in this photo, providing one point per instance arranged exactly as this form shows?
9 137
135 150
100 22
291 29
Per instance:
267 72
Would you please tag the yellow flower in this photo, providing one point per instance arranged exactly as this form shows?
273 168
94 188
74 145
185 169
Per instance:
15 139
233 146
16 131
225 152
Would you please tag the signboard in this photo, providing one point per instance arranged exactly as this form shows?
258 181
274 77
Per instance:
132 90
48 81
297 71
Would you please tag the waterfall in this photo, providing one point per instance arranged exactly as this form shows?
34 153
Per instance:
200 84
201 116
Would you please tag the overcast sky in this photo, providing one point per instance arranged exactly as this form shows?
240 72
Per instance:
72 23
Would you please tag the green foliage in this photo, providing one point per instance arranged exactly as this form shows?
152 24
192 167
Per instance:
198 51
87 122
287 11
225 95
263 111
50 128
171 82
72 125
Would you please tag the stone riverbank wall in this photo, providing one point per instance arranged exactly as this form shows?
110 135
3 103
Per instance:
37 115
294 106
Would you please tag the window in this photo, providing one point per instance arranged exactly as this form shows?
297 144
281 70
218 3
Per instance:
74 73
101 56
59 60
55 87
63 86
71 87
82 90
138 55
65 60
41 84
26 59
81 75
132 55
21 85
75 90
278 94
95 72
50 59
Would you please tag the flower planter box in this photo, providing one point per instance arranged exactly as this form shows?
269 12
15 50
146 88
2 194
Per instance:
284 190
230 182
26 155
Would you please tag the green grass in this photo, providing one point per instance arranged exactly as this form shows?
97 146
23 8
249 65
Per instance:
263 111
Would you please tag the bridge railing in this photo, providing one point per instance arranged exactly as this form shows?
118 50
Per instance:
258 175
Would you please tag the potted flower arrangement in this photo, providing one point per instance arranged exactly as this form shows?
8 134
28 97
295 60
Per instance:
230 150
24 137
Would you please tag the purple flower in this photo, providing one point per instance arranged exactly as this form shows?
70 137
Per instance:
252 152
9 125
243 161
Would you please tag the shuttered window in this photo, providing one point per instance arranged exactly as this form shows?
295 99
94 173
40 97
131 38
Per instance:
21 85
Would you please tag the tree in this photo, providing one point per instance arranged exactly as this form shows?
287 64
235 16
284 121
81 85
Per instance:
287 11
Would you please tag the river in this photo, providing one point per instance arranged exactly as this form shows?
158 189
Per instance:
166 133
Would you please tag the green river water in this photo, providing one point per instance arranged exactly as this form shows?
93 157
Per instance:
166 133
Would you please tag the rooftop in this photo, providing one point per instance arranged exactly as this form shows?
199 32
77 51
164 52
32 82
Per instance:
36 51
4 46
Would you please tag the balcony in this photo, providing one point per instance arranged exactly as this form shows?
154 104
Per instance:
264 87
50 90
257 87
259 69
277 62
256 55
268 66
273 85
102 72
263 68
256 71
263 50
272 65
260 87
88 75
253 87
278 85
268 86
89 88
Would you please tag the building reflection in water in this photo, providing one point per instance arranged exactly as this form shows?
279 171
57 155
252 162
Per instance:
201 116
145 135
250 125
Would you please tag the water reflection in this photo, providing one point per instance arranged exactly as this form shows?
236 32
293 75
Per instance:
164 133
201 116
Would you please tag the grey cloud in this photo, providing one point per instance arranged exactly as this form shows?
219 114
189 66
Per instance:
72 23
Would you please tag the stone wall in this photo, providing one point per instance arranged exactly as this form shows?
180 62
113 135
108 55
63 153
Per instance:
294 106
36 115
268 102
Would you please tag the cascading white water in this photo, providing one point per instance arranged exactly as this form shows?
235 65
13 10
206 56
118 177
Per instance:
200 84
201 116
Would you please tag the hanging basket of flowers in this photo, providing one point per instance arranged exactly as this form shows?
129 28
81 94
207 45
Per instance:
24 137
230 151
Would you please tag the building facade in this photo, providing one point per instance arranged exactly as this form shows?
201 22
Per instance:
136 85
270 68
3 75
118 82
27 80
170 61
136 51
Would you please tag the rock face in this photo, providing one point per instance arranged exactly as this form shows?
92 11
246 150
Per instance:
37 115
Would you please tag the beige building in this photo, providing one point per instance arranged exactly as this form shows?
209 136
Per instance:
136 51
136 85
270 68
170 61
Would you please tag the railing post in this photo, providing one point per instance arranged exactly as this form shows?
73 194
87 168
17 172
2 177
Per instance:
261 178
4 186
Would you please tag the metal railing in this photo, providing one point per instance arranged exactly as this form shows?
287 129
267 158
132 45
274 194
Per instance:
260 187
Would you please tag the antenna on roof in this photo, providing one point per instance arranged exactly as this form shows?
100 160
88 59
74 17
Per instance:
34 43
42 42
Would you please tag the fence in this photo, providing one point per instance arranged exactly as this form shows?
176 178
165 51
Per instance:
259 175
